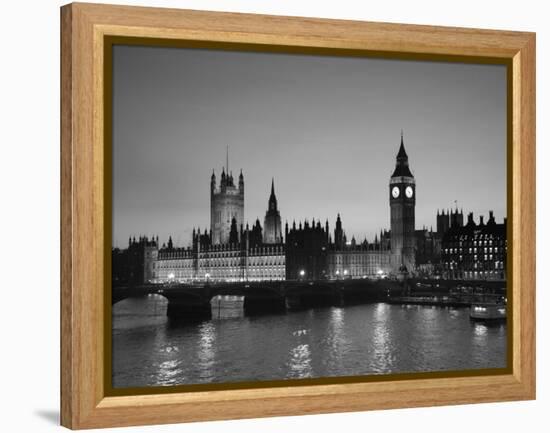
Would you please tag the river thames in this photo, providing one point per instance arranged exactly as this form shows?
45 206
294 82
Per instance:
377 338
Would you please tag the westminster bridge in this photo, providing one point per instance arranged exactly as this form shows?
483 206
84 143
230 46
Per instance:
193 301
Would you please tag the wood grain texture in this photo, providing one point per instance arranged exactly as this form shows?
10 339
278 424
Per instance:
84 26
67 388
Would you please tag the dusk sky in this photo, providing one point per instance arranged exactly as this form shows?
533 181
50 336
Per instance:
327 129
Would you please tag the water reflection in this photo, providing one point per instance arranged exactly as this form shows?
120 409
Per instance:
300 362
336 339
480 331
454 313
382 346
169 373
206 349
348 341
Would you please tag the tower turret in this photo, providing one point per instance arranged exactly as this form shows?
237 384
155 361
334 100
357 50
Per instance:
457 218
338 234
241 182
223 179
226 204
212 182
233 233
272 220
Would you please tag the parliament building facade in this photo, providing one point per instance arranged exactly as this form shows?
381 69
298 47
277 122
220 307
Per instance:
231 250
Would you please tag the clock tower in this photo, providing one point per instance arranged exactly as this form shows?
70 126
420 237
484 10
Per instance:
402 201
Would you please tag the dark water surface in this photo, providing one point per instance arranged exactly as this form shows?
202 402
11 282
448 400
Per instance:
148 349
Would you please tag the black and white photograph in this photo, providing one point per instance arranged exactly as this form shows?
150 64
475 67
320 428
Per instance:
284 217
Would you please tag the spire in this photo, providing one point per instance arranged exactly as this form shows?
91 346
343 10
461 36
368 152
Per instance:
402 154
272 205
402 162
241 182
233 233
213 182
227 158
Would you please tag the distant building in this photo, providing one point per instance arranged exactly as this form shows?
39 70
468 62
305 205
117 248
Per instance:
226 205
306 251
448 219
428 252
402 196
229 251
311 254
134 265
205 262
272 222
457 218
358 260
233 251
443 222
475 251
363 260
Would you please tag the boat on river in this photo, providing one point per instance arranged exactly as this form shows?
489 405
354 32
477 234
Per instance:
490 311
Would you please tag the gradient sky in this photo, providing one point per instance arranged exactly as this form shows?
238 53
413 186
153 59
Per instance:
326 128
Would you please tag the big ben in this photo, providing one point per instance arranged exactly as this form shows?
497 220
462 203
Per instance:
402 202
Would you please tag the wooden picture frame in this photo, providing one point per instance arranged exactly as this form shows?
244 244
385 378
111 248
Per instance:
85 214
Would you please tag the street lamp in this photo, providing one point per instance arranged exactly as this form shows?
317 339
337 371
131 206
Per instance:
302 273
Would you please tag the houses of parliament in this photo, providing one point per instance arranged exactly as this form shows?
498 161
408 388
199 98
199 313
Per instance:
233 250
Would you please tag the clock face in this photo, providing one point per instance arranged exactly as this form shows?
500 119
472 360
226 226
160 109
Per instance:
395 192
409 192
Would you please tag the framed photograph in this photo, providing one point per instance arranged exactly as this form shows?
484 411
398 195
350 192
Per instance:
267 216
